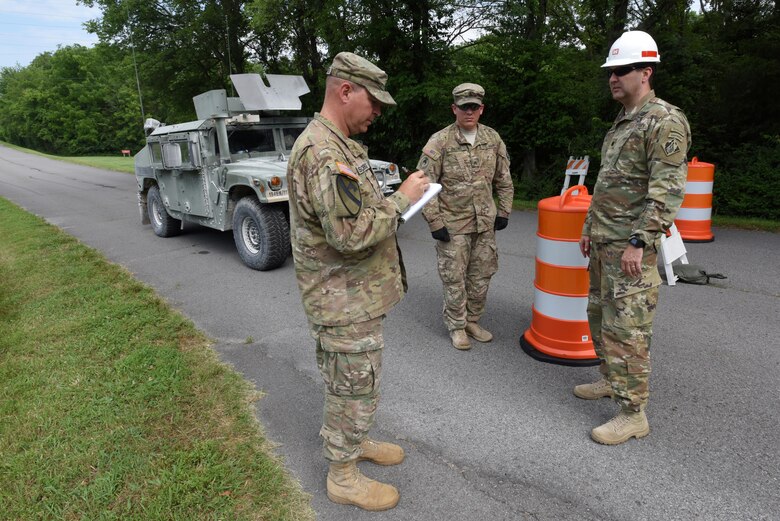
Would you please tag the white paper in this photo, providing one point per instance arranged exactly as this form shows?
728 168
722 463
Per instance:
430 193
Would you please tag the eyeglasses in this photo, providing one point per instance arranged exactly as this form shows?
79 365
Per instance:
622 71
469 107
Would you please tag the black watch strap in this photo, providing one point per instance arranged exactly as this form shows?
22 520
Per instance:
636 242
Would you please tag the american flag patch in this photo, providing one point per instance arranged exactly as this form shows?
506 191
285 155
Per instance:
347 171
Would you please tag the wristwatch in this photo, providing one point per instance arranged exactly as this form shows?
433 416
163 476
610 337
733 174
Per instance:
636 242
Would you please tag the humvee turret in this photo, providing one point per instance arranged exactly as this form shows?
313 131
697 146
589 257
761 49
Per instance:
227 170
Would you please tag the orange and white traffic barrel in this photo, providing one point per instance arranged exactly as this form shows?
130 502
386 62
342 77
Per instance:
559 331
694 220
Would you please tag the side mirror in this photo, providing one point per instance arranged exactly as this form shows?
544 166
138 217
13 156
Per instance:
171 153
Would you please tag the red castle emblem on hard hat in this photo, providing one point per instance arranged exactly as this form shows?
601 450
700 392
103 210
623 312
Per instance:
615 51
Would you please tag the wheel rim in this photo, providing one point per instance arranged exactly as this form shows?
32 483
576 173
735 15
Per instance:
251 235
156 213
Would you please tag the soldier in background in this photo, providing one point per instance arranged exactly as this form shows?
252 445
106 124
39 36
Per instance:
469 160
349 270
639 189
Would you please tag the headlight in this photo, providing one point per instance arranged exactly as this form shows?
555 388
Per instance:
275 183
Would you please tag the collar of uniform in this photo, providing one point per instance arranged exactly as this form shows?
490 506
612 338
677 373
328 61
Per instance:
328 123
461 140
351 144
639 106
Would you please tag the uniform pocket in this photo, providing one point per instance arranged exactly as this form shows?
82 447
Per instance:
351 374
637 367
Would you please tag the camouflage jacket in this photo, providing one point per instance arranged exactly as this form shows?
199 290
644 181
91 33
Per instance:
467 174
342 229
643 172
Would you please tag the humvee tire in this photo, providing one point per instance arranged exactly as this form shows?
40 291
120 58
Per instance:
163 224
261 234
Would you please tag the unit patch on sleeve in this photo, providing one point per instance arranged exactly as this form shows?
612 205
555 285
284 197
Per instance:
349 199
672 144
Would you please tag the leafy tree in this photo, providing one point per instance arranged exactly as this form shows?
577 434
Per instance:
183 47
539 61
74 101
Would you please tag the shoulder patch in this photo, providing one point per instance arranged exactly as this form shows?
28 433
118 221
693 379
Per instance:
672 144
673 141
343 169
432 153
349 199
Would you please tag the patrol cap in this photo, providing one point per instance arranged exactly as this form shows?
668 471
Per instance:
350 66
468 93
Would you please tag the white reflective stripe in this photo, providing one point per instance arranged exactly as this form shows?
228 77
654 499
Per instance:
562 308
694 214
698 187
560 253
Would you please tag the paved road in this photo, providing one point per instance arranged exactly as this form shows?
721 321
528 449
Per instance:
491 434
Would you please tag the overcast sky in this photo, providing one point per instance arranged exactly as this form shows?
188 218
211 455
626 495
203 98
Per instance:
31 27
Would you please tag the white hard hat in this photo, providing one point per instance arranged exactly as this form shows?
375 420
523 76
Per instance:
632 47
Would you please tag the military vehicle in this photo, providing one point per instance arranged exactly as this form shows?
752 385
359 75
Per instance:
227 170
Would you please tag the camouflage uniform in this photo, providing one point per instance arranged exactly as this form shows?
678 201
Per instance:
465 206
349 271
638 192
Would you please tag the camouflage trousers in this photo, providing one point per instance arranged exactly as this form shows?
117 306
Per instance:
466 264
620 315
350 362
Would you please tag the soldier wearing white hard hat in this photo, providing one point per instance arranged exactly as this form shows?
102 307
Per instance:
638 192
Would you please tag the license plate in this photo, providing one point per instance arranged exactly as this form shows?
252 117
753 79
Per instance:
278 193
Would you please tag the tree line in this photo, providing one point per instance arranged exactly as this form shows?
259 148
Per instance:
539 61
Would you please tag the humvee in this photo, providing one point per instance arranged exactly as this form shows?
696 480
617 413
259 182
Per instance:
227 170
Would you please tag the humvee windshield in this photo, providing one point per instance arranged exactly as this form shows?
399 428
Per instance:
251 140
290 135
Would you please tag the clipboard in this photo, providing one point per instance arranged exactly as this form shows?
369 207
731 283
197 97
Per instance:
430 193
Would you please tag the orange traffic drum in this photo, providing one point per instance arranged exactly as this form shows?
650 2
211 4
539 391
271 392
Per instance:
559 331
694 220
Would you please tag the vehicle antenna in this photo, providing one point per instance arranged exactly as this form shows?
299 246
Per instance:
135 66
230 63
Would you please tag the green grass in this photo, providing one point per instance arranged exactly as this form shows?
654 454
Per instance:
117 162
520 204
114 406
746 223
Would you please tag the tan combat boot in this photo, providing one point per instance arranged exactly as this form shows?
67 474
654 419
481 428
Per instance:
478 333
621 428
347 486
380 452
460 340
594 391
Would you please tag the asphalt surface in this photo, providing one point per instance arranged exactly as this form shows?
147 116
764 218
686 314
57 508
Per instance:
490 434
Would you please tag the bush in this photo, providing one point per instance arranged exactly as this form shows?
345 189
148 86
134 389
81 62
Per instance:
747 181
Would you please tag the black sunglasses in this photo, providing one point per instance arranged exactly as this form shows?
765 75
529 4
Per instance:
473 107
622 71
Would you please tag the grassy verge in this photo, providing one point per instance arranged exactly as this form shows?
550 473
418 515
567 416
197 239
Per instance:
746 223
519 204
113 405
117 163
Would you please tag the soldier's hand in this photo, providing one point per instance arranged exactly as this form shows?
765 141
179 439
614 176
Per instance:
585 245
414 186
631 261
441 234
501 223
